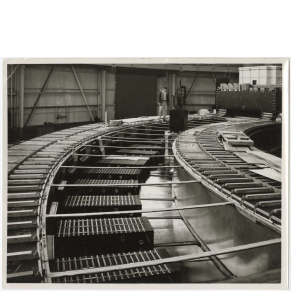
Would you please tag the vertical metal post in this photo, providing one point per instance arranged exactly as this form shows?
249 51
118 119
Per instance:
97 100
167 85
98 96
15 97
82 92
56 117
11 97
105 118
101 146
21 96
103 93
75 160
167 133
173 88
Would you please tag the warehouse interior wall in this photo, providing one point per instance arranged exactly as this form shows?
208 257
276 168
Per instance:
62 101
120 92
202 94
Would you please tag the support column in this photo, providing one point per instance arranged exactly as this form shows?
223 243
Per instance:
21 96
98 96
167 80
99 107
167 85
101 146
167 133
16 101
11 98
173 88
103 94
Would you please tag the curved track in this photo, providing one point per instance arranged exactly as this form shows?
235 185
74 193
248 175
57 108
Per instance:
237 172
86 177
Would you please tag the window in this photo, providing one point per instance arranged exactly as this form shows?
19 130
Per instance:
254 82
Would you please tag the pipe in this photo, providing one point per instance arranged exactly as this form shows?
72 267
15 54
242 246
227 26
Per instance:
132 139
153 142
125 156
141 211
138 147
125 185
138 133
137 167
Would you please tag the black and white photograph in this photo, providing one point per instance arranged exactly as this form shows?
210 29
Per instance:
145 172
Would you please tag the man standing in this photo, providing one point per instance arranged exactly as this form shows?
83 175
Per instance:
164 102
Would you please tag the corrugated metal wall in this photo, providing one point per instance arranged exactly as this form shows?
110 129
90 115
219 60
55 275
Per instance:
62 100
202 95
63 103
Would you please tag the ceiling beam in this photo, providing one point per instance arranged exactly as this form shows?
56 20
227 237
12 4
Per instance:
181 68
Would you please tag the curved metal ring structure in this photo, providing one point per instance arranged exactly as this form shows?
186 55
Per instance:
82 204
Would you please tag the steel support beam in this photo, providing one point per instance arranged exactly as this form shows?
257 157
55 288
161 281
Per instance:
216 261
96 214
219 68
11 98
103 94
40 95
163 184
173 88
21 96
194 81
16 102
176 259
82 92
138 167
